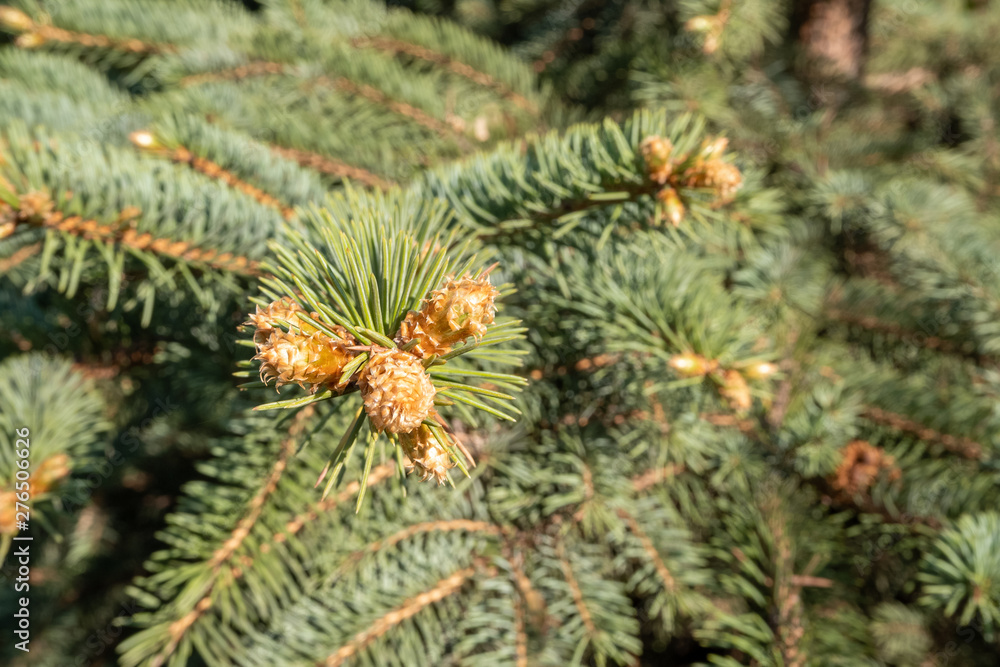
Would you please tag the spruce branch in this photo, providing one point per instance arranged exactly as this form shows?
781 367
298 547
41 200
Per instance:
963 446
388 304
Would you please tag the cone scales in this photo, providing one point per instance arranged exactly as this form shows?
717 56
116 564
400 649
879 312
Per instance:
397 392
426 454
462 308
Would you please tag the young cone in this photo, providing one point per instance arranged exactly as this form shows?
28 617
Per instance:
397 392
283 310
656 152
426 454
310 361
462 308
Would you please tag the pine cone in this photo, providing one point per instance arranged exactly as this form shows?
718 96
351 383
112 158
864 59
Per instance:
656 151
397 392
462 308
284 310
860 467
426 454
720 176
310 361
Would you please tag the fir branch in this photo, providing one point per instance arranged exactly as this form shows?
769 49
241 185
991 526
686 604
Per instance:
789 601
450 128
963 446
246 524
252 69
396 46
520 635
377 475
893 329
441 526
443 589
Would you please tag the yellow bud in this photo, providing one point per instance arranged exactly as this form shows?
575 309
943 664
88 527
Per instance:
459 310
15 20
426 454
760 370
656 151
673 207
29 40
690 364
143 139
699 24
398 394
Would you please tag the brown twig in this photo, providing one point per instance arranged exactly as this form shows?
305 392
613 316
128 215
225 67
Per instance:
655 476
39 34
120 233
574 589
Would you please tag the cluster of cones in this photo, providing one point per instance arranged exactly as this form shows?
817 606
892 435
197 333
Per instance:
706 170
732 382
397 392
42 480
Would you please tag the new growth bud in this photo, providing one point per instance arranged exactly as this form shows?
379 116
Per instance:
15 20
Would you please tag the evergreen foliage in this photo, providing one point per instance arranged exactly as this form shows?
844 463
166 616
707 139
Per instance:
737 404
